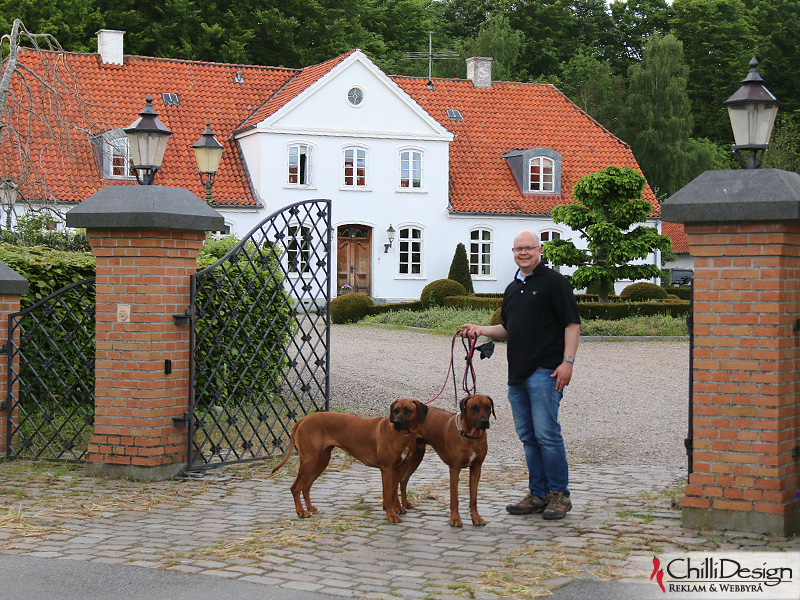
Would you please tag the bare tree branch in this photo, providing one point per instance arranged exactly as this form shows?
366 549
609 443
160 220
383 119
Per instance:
46 118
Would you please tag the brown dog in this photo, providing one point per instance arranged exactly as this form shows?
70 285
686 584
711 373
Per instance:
382 442
460 441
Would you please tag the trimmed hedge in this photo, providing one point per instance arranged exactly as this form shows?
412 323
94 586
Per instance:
682 292
473 302
619 310
379 309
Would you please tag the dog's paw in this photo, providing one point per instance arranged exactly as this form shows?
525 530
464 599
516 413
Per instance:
478 521
393 519
456 522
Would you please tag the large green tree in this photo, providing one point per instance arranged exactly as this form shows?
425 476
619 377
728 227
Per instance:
608 215
634 22
777 23
657 120
591 84
719 39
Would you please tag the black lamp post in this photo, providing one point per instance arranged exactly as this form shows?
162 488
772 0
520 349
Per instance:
147 140
208 153
8 196
752 109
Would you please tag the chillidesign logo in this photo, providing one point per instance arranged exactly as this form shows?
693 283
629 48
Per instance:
737 574
658 574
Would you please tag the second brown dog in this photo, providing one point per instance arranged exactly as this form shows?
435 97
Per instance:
460 441
382 442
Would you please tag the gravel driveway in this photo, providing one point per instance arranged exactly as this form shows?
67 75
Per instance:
627 403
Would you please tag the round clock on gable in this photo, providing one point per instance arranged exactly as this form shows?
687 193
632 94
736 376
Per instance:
355 96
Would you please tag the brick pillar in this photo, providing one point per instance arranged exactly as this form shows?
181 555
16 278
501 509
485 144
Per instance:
12 287
744 233
146 240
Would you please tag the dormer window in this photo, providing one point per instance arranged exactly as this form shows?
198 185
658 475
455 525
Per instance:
537 170
114 154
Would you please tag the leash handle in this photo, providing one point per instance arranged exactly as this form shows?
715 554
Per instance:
469 370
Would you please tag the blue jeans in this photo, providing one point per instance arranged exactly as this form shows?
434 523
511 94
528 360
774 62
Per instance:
534 404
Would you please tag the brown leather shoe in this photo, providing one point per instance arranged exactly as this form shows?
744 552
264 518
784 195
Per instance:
558 506
529 504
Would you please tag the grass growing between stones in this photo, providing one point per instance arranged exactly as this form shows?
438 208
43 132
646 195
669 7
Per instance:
520 578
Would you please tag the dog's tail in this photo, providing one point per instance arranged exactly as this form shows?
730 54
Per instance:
286 456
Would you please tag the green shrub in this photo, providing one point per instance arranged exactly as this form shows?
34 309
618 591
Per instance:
474 302
47 270
435 292
682 292
496 318
637 292
239 347
459 269
350 308
621 310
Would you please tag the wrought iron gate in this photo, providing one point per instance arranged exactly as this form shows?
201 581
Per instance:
260 338
50 352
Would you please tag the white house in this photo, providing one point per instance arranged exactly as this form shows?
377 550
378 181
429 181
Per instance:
437 162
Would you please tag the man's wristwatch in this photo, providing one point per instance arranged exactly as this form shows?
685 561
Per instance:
569 359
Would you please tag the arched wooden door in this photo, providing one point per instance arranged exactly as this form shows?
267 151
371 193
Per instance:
354 244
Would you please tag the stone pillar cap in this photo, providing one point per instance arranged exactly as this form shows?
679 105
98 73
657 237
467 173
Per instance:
12 282
145 207
736 195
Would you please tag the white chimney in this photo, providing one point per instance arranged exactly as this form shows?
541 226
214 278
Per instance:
479 71
109 46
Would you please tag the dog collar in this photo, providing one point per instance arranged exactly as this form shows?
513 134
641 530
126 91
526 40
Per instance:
462 432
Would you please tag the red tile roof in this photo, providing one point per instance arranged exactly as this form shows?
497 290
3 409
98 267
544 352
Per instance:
515 116
505 117
680 242
206 91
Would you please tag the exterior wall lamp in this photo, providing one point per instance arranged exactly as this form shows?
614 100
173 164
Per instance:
147 139
752 109
8 197
390 234
208 153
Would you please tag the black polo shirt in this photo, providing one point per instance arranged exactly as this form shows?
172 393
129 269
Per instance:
535 313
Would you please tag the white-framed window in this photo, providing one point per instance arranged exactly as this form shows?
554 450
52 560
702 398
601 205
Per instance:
480 252
410 250
548 235
114 155
541 170
355 168
411 169
298 248
299 165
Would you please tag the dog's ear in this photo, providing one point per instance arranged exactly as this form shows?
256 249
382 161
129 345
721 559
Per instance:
491 402
462 405
422 411
391 409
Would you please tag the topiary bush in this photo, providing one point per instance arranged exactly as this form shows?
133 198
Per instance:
496 319
435 292
639 292
350 308
459 269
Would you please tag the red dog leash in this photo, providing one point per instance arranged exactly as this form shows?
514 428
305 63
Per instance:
469 370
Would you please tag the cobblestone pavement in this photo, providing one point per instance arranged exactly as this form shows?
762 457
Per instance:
239 523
